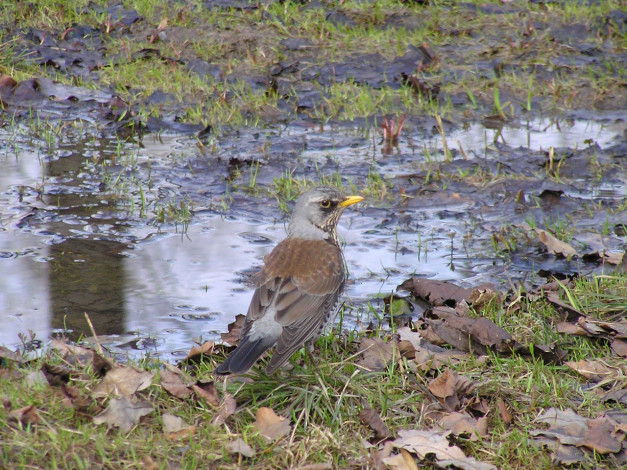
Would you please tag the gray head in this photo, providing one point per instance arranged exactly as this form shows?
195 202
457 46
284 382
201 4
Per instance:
317 212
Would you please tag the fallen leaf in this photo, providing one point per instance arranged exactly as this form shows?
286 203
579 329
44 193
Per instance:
315 466
569 312
570 329
196 353
123 380
619 396
553 245
619 347
401 461
449 386
423 443
435 292
149 463
175 428
461 423
82 357
600 436
207 391
570 429
469 334
468 463
270 425
506 416
232 337
25 416
74 398
376 354
10 374
608 330
124 413
595 370
371 418
238 446
226 409
7 354
174 384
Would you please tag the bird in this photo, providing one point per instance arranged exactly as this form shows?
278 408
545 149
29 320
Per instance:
299 286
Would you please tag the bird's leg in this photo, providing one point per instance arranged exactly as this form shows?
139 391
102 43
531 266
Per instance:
309 349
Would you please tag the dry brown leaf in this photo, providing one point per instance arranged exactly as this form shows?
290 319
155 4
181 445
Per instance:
232 337
488 333
270 425
26 416
81 356
443 386
600 438
619 347
207 391
481 296
227 408
616 329
435 292
448 387
555 246
570 429
376 353
123 380
174 384
10 374
371 418
403 461
468 334
613 257
423 443
595 370
461 423
149 463
468 463
175 428
124 413
6 353
570 329
506 416
238 446
196 353
412 337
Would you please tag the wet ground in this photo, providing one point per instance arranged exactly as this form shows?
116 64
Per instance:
153 232
72 246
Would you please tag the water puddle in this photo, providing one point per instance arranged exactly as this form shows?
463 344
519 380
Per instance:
70 246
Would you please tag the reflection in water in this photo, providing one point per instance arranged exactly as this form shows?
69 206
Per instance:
87 276
72 251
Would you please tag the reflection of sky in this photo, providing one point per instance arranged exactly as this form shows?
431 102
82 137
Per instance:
538 134
24 298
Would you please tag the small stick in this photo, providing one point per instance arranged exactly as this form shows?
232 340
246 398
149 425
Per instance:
93 332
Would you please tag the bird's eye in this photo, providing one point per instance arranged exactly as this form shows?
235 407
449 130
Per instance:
325 203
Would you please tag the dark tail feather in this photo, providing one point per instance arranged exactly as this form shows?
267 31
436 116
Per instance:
244 356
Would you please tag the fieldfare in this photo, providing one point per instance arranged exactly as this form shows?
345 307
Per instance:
298 287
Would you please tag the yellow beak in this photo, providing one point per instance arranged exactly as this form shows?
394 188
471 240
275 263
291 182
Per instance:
350 200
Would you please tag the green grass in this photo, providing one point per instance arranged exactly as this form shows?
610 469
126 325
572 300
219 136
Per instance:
322 397
248 43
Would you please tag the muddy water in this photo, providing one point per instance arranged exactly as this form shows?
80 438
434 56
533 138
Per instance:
69 245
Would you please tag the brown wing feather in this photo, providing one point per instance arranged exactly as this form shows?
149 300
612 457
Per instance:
305 279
